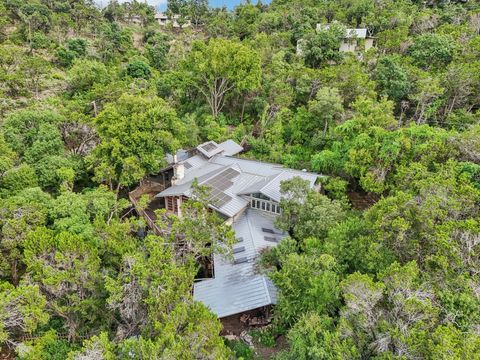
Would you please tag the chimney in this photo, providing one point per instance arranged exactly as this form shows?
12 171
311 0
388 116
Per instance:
178 172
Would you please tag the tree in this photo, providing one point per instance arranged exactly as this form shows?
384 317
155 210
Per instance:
19 215
199 232
98 347
66 269
306 284
306 213
76 48
431 51
18 178
22 311
85 73
220 66
315 337
197 9
246 20
13 81
406 222
157 47
323 46
391 78
7 155
135 134
139 69
327 108
152 295
35 69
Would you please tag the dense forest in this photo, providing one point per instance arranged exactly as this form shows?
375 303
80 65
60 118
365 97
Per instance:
384 263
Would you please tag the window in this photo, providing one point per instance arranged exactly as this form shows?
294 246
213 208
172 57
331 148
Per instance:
265 205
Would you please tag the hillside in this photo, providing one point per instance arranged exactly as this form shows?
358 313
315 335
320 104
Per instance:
382 97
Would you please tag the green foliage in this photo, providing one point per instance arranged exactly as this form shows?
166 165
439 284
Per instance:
69 278
139 69
323 46
315 337
306 283
394 130
220 66
391 78
48 346
264 336
306 213
75 48
156 47
85 73
151 128
432 50
241 350
22 310
18 178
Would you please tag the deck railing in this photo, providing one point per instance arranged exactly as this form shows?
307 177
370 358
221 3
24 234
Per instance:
150 188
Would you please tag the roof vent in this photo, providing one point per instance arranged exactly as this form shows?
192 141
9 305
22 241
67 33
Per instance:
270 239
240 260
238 249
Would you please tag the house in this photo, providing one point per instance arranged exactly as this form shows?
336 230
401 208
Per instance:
163 20
355 40
135 19
246 194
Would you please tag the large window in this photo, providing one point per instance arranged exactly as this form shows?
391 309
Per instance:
264 204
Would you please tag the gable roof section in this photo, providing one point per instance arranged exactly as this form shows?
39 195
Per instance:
237 287
270 186
250 177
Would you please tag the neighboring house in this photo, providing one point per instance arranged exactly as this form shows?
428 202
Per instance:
163 20
246 194
135 19
355 40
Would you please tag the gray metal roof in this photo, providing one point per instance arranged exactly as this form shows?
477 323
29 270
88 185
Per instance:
270 186
230 148
237 287
350 33
252 175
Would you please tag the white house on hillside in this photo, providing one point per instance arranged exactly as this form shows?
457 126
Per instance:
355 39
163 20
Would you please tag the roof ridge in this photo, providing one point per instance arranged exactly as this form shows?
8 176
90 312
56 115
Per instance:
271 180
269 298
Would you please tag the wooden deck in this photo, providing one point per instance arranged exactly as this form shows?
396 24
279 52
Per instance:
149 188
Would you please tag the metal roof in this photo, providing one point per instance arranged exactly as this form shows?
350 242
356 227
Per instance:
230 148
360 33
209 149
270 186
237 287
